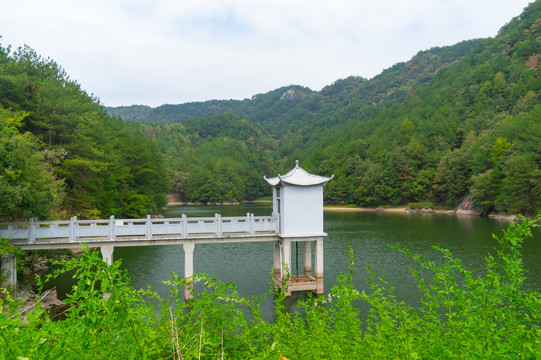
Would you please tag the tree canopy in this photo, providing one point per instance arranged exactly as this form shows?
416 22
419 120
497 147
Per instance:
65 143
452 121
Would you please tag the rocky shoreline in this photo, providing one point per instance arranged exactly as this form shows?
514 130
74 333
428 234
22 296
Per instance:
406 210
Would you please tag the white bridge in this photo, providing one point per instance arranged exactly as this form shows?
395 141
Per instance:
297 216
186 231
39 235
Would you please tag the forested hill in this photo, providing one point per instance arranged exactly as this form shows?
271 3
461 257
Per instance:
449 122
62 155
279 109
258 106
452 121
474 128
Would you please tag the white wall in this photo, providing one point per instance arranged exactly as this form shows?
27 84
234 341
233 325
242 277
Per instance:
302 210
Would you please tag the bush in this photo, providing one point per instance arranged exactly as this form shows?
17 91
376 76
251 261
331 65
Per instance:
461 315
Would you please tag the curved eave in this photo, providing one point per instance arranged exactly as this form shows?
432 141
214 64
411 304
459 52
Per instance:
272 181
313 180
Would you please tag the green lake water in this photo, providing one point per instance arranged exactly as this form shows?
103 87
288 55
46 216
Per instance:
249 265
370 234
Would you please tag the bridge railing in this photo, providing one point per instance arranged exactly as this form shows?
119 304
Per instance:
75 230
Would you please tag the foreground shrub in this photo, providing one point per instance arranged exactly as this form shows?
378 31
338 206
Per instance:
462 316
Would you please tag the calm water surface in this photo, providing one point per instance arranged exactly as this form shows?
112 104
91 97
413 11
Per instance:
369 233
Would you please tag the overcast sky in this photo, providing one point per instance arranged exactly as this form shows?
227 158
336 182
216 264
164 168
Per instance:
154 52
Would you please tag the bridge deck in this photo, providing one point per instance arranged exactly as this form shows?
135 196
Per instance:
65 243
34 234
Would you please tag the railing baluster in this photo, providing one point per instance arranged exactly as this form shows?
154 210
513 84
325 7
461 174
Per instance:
149 227
72 234
184 226
112 232
218 225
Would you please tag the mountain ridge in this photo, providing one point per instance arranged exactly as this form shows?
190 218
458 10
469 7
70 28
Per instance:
258 105
449 122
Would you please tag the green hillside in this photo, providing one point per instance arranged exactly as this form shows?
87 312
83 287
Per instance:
452 121
61 154
475 127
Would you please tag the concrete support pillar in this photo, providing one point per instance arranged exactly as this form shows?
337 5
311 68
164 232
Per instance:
9 268
286 258
308 258
277 263
319 266
189 247
107 253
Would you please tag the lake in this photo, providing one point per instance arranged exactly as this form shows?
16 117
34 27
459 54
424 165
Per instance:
249 265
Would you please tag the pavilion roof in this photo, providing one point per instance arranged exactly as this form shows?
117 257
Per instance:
299 177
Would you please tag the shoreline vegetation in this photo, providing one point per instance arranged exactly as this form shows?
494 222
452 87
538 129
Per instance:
347 208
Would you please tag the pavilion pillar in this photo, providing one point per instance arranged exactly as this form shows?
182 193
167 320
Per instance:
107 253
277 263
9 267
308 258
319 266
189 247
286 258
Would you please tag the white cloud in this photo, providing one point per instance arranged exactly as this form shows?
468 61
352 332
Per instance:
170 51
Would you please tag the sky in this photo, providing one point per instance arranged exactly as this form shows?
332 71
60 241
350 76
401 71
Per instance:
155 52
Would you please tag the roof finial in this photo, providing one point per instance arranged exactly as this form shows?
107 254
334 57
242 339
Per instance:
296 163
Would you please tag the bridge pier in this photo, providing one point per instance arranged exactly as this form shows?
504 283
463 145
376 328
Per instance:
9 268
107 253
189 247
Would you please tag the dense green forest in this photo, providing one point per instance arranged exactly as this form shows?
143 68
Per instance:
61 154
452 121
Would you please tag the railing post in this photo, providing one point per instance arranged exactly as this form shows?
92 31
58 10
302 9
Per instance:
218 224
149 227
31 231
112 233
184 226
252 224
72 230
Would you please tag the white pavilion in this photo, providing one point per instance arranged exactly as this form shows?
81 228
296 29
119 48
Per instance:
298 204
